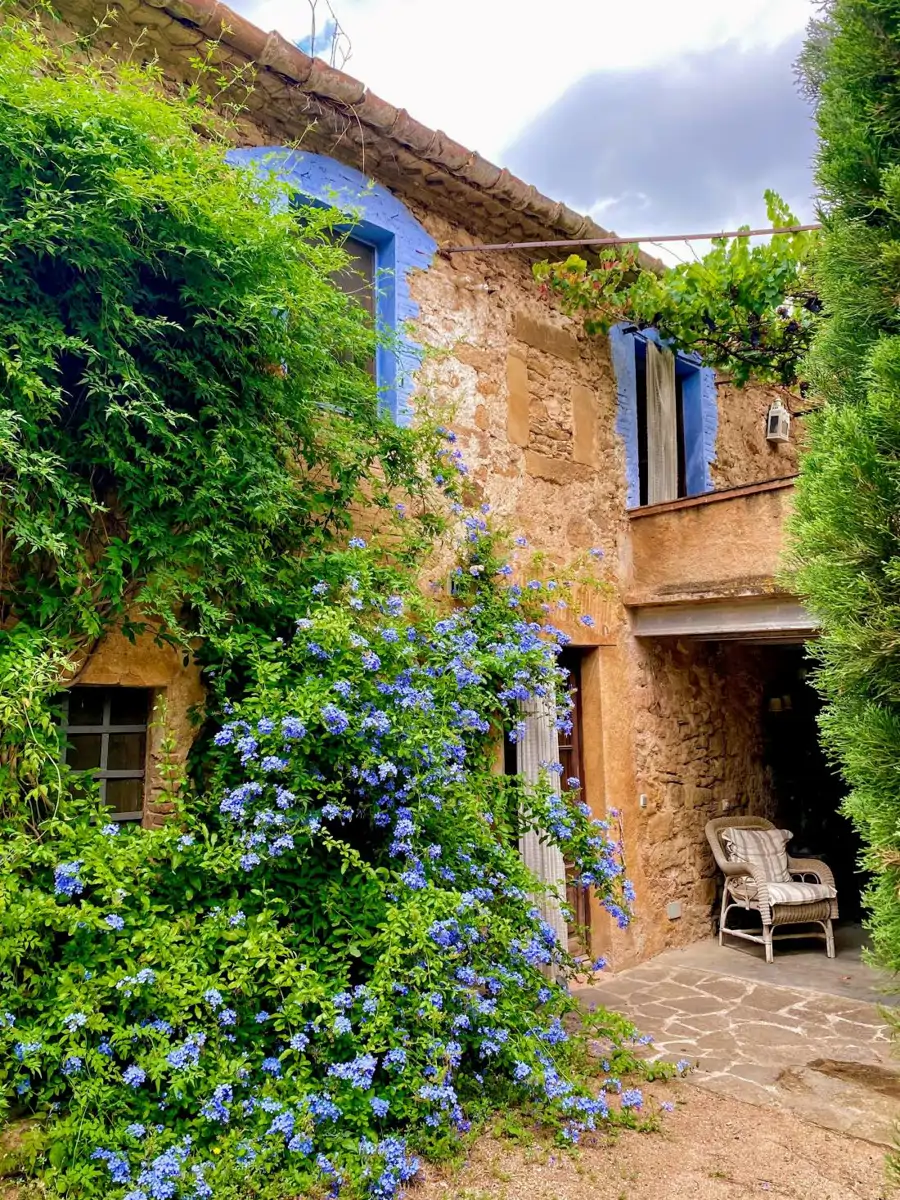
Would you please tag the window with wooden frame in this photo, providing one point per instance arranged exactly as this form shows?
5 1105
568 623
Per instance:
669 430
105 730
667 417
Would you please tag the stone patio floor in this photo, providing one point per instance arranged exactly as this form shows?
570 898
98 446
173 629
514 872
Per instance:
822 1051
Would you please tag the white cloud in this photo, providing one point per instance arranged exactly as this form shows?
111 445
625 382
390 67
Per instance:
483 69
636 202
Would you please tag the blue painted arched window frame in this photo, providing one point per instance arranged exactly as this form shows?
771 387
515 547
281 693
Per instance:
401 245
700 410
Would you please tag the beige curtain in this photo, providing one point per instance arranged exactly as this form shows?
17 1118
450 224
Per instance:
662 436
541 744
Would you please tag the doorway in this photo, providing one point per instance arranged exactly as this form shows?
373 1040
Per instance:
572 759
808 790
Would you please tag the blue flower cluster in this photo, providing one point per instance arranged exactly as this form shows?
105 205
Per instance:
389 963
67 880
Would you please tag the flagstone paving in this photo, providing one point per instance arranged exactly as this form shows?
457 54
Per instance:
825 1057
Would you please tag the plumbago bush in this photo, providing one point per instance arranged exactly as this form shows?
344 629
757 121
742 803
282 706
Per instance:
333 956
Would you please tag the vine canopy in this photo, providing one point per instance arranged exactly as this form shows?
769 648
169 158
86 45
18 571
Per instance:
749 310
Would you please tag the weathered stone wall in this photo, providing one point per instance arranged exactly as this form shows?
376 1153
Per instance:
533 399
726 545
743 455
698 755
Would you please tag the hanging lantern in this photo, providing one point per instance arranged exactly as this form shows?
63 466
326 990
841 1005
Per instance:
778 423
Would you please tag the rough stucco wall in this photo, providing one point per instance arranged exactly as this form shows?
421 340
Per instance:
729 546
699 755
742 453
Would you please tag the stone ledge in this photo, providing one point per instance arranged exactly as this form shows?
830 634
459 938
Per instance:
747 588
770 617
733 493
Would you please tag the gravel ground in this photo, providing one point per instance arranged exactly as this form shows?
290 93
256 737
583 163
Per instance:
709 1148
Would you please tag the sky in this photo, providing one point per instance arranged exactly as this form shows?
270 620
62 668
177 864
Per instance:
666 116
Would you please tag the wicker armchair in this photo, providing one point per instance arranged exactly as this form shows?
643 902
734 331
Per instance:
802 902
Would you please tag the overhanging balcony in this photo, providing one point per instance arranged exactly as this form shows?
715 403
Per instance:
708 566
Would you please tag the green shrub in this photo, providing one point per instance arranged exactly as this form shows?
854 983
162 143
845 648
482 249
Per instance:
847 543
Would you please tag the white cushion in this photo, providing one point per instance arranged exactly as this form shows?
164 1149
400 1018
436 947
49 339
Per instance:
800 893
763 849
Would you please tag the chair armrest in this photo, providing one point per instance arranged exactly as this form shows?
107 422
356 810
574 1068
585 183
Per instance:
747 871
811 866
735 868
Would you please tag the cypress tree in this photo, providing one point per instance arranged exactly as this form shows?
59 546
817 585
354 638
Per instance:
846 533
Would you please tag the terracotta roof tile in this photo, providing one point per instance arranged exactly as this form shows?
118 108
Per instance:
361 122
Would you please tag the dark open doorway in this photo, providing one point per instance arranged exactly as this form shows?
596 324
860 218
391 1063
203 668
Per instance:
571 756
809 791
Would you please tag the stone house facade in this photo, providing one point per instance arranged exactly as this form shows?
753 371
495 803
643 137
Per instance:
674 675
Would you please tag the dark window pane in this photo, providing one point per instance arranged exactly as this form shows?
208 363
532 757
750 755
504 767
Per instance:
357 278
126 752
86 705
125 795
129 706
679 429
84 751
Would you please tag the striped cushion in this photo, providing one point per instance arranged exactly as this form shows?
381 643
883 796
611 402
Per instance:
763 849
800 893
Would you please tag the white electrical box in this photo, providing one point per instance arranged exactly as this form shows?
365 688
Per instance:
778 423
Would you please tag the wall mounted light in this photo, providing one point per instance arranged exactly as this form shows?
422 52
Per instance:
778 423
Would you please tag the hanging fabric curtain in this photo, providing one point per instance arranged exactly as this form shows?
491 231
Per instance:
662 435
541 744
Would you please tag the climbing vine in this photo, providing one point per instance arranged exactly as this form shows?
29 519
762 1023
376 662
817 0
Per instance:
748 310
185 396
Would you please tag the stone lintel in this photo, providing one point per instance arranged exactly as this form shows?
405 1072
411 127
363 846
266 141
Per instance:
541 335
767 618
